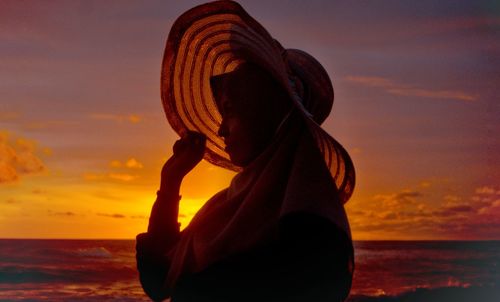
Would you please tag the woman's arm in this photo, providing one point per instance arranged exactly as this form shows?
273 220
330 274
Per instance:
151 247
163 229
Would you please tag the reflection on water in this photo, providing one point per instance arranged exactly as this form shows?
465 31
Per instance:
391 268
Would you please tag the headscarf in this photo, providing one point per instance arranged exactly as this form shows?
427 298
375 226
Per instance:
289 176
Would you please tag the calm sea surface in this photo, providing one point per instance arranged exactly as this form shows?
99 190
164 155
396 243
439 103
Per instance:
104 270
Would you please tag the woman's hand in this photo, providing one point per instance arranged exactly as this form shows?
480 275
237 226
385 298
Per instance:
188 152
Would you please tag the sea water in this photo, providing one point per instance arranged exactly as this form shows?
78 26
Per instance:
105 270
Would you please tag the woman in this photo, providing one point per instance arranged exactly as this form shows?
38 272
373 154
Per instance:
279 231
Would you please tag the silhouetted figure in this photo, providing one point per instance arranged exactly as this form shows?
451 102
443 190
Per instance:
279 232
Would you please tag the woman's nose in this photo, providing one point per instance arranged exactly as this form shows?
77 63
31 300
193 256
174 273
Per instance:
223 131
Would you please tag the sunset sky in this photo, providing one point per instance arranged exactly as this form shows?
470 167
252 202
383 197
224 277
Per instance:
83 135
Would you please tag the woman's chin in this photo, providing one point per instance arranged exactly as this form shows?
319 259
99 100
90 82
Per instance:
237 159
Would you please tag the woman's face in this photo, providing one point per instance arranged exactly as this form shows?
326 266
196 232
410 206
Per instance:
248 124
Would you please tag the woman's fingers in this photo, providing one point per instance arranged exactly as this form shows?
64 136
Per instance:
177 146
195 137
191 141
188 152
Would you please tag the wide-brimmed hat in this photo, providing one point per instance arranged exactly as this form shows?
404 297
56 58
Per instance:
213 39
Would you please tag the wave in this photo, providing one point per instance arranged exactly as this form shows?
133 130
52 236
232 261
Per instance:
440 294
80 274
65 262
96 252
130 291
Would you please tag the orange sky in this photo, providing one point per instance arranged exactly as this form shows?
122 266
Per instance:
83 135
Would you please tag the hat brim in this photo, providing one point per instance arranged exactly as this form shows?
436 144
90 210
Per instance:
212 39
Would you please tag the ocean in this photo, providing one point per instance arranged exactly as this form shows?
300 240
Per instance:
104 270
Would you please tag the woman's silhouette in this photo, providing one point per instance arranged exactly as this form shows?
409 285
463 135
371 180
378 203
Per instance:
279 231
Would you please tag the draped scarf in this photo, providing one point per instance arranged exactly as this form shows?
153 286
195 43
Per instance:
289 176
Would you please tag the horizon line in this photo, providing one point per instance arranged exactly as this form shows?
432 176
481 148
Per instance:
354 240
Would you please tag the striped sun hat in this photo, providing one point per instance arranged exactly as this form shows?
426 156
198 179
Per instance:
214 38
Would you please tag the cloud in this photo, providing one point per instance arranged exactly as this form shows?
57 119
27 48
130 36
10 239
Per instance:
486 190
493 207
394 88
463 23
18 157
131 118
389 210
115 215
406 212
34 124
48 125
7 172
131 163
487 201
93 176
113 176
460 208
399 199
388 215
425 184
104 194
115 164
452 212
121 216
38 191
451 198
67 213
122 176
8 116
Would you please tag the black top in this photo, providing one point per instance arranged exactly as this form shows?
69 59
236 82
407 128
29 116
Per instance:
312 260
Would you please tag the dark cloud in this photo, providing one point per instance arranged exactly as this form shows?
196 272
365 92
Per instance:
463 208
391 87
400 199
66 213
120 216
115 215
11 201
38 191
